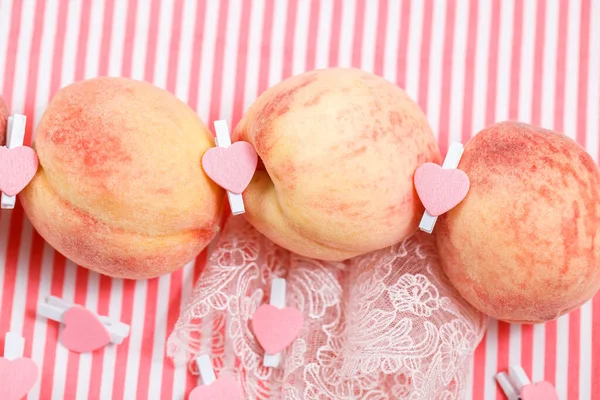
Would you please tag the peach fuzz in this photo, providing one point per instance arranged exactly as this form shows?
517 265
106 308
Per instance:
522 245
339 148
120 188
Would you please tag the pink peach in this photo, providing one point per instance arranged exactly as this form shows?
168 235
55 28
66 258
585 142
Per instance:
522 245
3 121
120 188
339 148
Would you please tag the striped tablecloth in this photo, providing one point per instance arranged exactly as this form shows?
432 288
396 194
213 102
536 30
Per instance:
468 63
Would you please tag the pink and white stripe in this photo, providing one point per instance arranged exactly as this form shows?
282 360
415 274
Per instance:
467 62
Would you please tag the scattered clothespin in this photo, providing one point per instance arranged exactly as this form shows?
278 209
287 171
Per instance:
513 382
517 386
441 188
14 346
230 166
224 388
275 325
84 330
17 374
18 163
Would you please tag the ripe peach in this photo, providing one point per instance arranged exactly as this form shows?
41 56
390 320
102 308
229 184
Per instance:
339 148
3 121
120 188
522 245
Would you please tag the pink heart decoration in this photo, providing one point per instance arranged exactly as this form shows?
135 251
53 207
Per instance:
224 388
276 328
17 168
83 331
539 391
17 377
439 189
231 167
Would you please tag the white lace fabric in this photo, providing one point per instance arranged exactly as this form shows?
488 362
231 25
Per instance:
386 325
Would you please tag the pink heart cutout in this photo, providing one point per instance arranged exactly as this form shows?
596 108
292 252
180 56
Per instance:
17 168
440 190
539 391
232 167
276 328
83 331
17 377
224 388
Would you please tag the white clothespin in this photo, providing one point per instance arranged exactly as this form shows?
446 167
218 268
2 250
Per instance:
513 382
54 308
19 374
222 139
518 377
451 161
15 135
277 299
206 369
14 346
224 388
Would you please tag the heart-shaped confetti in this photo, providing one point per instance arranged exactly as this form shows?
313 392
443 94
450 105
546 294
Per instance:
224 388
276 328
231 167
83 332
439 189
17 377
539 391
17 168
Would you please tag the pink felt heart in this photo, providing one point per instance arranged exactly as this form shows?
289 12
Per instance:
231 168
439 189
224 388
83 331
276 328
539 391
17 167
17 377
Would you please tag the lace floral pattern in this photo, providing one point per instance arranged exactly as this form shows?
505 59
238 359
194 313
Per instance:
382 326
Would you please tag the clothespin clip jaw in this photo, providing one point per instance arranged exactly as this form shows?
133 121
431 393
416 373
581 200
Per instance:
55 308
423 186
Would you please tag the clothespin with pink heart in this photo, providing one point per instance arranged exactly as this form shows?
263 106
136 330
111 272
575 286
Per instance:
18 163
441 188
275 325
18 374
230 166
224 388
84 330
517 386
